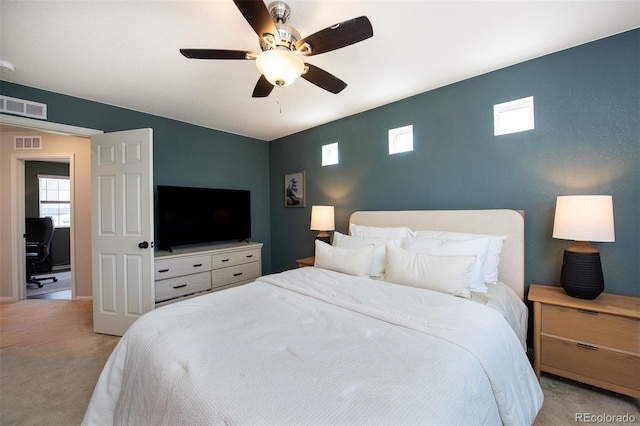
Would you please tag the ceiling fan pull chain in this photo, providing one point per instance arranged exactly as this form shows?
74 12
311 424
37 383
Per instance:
278 99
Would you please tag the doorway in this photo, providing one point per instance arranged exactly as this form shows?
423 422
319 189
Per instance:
47 194
79 172
20 162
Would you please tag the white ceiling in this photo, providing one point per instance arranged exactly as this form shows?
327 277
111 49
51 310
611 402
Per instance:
125 53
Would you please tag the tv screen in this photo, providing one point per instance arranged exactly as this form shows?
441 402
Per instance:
188 216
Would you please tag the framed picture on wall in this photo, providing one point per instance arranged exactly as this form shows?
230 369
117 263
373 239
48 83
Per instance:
294 189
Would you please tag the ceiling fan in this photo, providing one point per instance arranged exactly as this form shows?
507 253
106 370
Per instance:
280 61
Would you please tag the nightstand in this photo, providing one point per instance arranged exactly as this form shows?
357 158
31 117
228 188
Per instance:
591 341
307 261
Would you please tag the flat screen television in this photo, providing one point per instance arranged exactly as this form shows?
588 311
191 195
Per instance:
189 216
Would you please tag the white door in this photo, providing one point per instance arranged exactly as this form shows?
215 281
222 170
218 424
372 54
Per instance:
122 214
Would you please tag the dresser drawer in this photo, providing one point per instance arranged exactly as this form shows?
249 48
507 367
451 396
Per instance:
234 274
182 266
181 286
224 260
247 256
618 368
591 327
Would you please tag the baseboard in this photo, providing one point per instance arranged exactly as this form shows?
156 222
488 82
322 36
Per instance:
83 298
56 268
8 299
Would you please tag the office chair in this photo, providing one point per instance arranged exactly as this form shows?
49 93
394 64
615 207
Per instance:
38 235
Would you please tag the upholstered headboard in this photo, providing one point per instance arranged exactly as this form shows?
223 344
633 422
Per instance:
492 222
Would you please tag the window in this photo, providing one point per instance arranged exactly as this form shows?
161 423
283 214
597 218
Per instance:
401 140
330 154
514 116
55 199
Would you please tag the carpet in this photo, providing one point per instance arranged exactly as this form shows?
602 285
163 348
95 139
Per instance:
64 283
50 360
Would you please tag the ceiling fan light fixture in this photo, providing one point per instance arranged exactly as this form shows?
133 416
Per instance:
280 67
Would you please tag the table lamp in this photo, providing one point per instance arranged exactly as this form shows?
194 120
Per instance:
322 219
583 218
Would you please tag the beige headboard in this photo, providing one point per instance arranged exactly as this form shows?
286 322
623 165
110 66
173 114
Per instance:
492 222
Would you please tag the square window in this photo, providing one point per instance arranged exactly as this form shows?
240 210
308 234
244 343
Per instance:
401 140
513 116
330 154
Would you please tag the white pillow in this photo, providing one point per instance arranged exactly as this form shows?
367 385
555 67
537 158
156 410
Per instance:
353 262
491 265
378 260
478 248
446 274
379 232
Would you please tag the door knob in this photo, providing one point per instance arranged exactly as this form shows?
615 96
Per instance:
143 245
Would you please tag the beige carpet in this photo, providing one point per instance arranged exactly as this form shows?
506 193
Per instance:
50 360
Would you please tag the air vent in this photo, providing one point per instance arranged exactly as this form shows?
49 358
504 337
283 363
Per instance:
22 107
27 142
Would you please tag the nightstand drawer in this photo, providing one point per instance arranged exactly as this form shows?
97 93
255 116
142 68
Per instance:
590 361
591 327
181 286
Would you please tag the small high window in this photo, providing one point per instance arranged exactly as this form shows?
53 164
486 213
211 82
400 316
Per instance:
514 116
330 154
401 140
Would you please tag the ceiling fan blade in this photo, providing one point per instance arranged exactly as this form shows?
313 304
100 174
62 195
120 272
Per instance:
336 36
217 54
263 88
258 16
323 79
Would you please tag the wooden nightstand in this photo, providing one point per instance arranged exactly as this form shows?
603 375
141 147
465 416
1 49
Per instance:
307 261
592 341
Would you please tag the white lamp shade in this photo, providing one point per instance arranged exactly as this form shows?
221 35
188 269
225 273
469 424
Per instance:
584 218
280 67
322 218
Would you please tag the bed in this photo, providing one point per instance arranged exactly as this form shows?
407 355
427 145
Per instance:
328 345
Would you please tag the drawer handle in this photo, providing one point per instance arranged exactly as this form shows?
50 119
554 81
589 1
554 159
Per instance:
161 271
180 286
585 346
249 256
224 260
198 265
586 311
237 274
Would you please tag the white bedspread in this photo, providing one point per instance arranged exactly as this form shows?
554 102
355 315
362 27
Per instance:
504 300
311 346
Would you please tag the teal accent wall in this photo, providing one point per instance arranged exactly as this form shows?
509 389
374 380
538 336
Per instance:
586 141
183 154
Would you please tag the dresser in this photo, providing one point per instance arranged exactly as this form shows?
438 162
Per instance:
192 272
591 341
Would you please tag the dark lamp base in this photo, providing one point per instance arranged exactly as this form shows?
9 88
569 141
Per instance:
324 237
581 274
